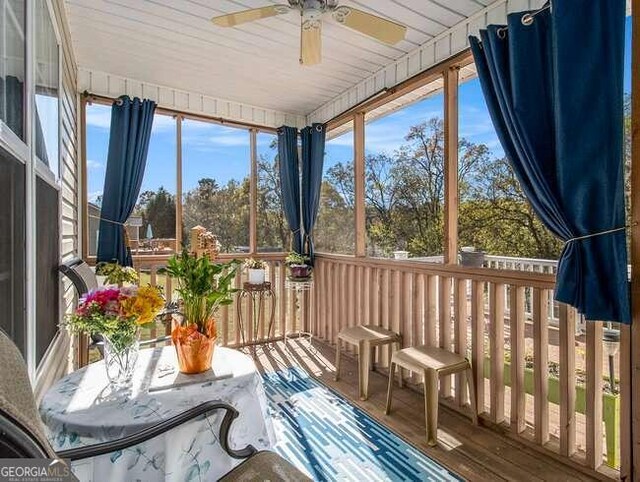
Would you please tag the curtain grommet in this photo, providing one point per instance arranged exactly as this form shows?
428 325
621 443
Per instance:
527 19
501 33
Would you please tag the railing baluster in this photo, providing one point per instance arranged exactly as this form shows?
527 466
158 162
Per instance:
282 299
567 341
460 330
477 340
445 329
431 310
594 393
496 305
517 327
153 276
541 365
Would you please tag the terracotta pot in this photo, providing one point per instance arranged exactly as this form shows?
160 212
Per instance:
194 349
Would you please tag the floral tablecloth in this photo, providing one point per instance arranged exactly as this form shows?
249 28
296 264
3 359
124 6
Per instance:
81 409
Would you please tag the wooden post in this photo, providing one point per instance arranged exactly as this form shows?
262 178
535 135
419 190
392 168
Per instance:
84 195
631 431
359 187
451 165
178 183
253 193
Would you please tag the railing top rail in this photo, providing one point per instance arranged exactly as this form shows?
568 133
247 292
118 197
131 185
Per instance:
502 276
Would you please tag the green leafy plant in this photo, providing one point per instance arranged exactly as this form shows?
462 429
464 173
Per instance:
296 258
251 263
116 274
203 286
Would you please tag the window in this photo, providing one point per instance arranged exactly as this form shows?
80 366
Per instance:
494 215
46 89
152 226
47 262
12 250
12 67
404 169
215 182
273 230
335 227
98 120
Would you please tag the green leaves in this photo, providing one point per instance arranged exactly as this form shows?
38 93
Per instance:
203 286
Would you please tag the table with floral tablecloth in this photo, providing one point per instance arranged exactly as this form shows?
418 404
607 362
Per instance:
82 409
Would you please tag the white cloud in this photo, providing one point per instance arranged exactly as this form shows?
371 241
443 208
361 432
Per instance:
99 116
93 196
95 165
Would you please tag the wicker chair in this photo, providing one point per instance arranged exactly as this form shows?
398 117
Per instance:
22 433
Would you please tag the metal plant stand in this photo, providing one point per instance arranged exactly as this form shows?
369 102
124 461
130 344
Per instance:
256 295
300 286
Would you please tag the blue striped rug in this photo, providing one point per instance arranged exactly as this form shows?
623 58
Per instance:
330 439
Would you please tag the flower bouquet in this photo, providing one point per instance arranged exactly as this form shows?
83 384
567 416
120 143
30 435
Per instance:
117 314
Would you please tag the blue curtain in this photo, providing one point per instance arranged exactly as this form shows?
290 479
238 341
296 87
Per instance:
290 182
131 121
554 89
313 139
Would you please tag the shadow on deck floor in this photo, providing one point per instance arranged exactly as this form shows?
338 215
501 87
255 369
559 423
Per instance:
475 453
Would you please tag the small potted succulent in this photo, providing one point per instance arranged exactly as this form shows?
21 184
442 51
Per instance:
298 267
203 287
256 269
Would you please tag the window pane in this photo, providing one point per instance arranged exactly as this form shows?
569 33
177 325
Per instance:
215 182
273 230
12 251
12 28
151 228
47 262
494 215
335 227
404 168
47 92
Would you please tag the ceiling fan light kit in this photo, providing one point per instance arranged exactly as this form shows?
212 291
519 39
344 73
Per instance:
311 13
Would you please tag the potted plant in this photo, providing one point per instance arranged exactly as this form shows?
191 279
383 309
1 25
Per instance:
256 269
203 287
117 313
114 274
298 267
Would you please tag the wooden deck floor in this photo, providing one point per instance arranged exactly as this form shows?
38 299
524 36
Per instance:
475 453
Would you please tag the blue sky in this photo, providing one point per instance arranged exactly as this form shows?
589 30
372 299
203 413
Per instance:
222 153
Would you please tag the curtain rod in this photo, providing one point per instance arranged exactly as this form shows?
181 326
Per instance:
527 19
89 96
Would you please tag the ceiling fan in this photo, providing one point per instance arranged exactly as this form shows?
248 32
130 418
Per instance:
311 13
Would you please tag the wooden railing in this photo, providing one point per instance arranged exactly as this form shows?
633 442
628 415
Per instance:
290 306
480 312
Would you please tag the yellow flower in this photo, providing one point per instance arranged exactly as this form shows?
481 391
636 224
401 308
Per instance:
144 306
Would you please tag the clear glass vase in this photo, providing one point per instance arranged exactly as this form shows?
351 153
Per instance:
120 359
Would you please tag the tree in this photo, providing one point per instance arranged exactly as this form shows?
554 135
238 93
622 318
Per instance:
222 210
273 230
158 209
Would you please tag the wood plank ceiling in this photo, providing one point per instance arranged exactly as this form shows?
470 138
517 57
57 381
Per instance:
172 43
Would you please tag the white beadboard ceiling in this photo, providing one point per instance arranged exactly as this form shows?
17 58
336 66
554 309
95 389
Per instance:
171 43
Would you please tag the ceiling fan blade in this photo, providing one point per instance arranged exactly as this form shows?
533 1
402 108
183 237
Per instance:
379 28
311 42
233 19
